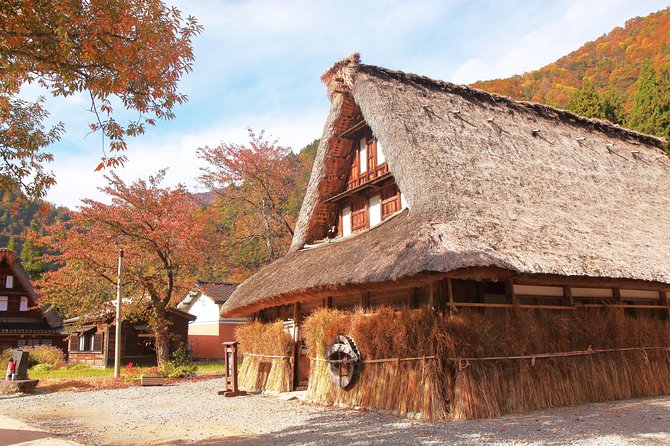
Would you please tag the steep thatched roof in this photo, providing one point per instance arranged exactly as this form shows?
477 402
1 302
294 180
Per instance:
14 264
490 182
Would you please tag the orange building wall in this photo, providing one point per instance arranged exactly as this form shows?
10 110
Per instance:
206 339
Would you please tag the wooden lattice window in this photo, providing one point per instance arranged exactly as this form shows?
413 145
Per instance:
359 218
390 200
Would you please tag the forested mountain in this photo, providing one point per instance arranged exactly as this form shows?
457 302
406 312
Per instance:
624 76
21 220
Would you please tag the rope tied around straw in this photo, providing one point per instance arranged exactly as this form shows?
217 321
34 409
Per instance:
267 356
465 362
376 361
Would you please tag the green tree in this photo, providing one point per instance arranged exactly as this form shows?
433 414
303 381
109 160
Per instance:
651 102
612 106
11 244
133 52
31 255
587 102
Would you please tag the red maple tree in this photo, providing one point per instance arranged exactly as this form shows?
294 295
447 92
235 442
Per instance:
162 236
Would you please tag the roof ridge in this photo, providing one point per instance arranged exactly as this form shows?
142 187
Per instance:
546 111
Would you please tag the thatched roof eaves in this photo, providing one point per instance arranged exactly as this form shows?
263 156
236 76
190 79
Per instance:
579 198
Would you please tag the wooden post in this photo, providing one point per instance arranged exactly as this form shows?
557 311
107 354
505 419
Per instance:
616 293
297 345
664 299
480 292
230 364
450 295
567 294
329 302
365 300
509 292
411 297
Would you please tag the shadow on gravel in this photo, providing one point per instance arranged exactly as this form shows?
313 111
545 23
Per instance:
640 422
20 436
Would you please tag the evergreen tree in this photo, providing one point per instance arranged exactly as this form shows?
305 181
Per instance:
31 254
612 106
586 101
11 244
644 114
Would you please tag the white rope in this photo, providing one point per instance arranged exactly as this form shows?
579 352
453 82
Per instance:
266 356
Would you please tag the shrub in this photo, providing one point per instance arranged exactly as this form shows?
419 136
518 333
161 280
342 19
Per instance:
171 369
42 368
131 373
39 354
44 354
180 366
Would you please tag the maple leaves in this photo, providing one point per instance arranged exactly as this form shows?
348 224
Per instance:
130 52
162 237
258 195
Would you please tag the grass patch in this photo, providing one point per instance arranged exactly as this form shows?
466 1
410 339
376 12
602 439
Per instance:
70 373
210 368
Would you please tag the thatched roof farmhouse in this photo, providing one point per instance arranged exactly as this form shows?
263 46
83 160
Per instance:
23 320
509 216
490 182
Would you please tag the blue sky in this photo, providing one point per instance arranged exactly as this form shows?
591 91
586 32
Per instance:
258 65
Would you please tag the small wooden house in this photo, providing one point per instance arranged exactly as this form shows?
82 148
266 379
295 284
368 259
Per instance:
209 330
503 217
93 340
23 321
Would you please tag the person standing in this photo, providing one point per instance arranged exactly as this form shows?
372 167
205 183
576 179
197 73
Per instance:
10 370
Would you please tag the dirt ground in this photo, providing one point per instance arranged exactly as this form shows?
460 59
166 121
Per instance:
193 413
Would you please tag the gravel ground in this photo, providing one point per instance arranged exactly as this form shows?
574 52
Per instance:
193 413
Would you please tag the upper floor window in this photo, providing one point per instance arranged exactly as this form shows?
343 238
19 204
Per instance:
9 281
3 303
368 161
23 306
381 159
363 155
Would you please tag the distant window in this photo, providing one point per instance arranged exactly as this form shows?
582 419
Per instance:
381 159
23 306
9 282
91 342
363 155
82 344
3 303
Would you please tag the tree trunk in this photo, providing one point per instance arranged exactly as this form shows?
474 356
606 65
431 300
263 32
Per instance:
162 344
161 327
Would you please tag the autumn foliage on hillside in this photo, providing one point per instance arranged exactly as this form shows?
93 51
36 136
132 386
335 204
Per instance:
614 66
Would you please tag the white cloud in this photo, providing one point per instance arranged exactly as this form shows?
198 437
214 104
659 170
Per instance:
258 64
77 179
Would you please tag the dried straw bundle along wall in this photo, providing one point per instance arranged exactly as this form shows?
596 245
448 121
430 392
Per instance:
406 387
267 361
461 384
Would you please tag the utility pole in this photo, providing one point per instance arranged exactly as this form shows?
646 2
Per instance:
117 344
